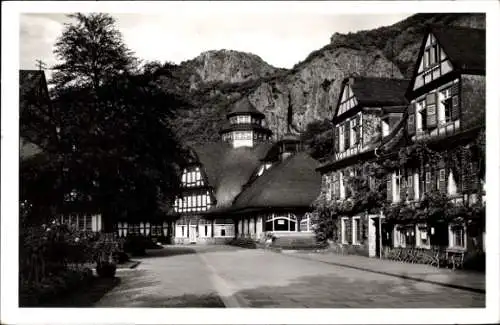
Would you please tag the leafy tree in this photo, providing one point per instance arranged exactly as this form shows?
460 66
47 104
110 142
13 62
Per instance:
318 138
113 150
92 51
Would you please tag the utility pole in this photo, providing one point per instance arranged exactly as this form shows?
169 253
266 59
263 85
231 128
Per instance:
392 59
41 65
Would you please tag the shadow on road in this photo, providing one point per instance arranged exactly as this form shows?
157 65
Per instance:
86 296
175 250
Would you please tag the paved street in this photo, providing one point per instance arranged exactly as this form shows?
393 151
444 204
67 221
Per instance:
218 276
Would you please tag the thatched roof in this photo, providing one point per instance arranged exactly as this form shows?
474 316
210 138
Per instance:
292 183
228 169
465 47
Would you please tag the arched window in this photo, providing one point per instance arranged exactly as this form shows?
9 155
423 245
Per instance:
281 222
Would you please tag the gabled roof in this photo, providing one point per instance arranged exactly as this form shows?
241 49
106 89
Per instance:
228 169
375 91
465 47
292 183
244 106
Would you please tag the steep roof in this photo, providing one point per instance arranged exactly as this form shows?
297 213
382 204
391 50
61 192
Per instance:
292 183
372 91
228 169
466 47
244 106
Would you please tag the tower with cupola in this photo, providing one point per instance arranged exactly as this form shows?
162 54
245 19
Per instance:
246 126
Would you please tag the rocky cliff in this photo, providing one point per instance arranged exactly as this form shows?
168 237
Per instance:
215 79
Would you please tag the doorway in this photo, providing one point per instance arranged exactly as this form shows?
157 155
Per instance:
192 234
374 236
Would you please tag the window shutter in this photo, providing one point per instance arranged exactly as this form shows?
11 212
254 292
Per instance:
465 182
337 139
411 119
389 187
402 186
434 178
411 187
455 108
474 179
347 138
358 129
430 103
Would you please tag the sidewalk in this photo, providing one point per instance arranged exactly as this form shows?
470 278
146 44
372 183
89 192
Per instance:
465 280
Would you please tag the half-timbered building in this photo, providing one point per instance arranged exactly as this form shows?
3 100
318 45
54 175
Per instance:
368 111
245 185
444 127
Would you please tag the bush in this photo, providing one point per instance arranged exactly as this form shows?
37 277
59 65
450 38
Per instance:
106 269
120 257
137 245
475 261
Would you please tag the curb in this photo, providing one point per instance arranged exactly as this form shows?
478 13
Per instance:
406 277
122 269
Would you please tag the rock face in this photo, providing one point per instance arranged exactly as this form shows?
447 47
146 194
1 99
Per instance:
215 79
227 66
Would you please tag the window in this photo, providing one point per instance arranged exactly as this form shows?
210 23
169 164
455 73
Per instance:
442 175
397 186
421 116
445 106
354 127
344 230
457 238
404 236
341 137
329 185
422 239
346 136
356 231
223 232
305 223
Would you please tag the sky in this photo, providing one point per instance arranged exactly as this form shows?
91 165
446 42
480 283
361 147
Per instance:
280 39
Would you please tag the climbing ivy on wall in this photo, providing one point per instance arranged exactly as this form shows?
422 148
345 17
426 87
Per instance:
365 187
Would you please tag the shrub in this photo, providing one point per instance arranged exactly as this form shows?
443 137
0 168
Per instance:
475 261
106 269
137 245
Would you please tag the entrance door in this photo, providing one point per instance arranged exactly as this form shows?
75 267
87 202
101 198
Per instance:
192 234
374 237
